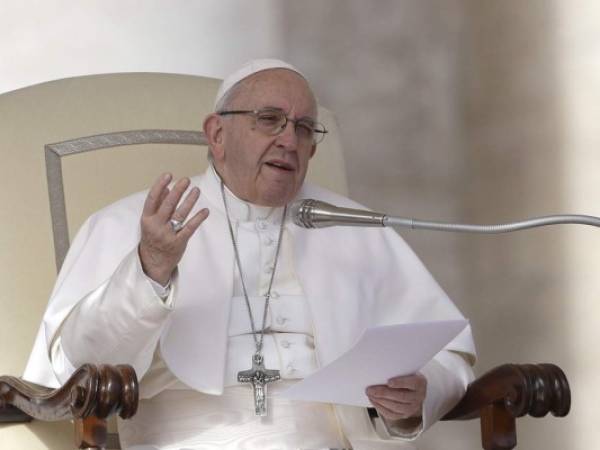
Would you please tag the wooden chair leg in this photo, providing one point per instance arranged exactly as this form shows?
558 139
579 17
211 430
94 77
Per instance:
498 428
90 433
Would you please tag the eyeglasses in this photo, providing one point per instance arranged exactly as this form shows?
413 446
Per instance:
272 121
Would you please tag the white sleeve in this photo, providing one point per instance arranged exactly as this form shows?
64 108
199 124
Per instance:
117 323
448 374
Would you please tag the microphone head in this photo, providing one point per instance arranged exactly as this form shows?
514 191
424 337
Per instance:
309 213
300 212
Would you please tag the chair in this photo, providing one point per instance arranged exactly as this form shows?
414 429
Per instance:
53 115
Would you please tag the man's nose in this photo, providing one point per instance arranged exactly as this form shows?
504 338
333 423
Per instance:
288 138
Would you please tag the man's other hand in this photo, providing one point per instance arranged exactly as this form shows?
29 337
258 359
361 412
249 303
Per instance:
161 247
401 398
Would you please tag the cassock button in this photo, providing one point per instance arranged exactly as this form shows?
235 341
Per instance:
290 368
280 320
285 344
274 294
268 269
268 241
261 224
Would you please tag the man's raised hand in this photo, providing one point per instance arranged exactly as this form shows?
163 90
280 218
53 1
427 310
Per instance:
161 247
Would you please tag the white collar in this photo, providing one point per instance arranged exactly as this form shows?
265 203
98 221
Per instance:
239 210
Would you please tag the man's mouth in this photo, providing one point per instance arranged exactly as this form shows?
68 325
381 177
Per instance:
281 165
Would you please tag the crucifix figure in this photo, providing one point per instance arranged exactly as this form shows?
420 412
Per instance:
259 377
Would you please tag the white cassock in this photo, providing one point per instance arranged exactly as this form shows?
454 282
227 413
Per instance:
330 285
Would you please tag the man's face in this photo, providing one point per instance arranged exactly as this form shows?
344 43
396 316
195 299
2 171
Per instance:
262 169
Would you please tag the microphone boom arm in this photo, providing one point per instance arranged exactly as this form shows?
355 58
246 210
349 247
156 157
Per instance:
493 229
317 214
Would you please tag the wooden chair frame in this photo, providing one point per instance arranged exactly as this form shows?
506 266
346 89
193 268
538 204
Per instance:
89 397
94 393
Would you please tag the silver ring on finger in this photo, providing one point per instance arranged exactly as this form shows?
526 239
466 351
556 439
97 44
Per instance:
176 225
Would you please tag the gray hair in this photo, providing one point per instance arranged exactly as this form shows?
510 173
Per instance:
223 104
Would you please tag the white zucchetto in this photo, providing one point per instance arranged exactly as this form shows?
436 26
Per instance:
250 68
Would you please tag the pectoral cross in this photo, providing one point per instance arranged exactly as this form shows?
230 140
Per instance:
259 377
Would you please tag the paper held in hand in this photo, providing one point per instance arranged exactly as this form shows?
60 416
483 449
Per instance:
381 353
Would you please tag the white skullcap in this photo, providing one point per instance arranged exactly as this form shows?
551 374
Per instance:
250 68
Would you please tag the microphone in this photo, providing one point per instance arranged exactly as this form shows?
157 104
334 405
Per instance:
309 213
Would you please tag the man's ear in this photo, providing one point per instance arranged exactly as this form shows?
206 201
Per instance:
313 150
213 131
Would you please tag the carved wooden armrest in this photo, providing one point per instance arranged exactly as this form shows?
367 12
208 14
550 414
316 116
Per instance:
510 391
92 394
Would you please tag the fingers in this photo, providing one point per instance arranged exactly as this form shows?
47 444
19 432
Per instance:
406 387
414 382
395 404
382 392
186 205
161 204
392 405
192 224
163 201
161 248
168 205
157 194
402 397
163 195
397 411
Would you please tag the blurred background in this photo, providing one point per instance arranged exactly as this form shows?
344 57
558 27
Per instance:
456 110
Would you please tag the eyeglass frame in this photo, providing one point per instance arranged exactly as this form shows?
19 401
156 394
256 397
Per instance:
255 112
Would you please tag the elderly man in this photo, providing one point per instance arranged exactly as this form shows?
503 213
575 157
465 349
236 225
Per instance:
201 304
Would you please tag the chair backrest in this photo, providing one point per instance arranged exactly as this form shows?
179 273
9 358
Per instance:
70 118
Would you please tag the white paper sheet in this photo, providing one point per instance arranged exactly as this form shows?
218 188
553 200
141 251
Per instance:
380 354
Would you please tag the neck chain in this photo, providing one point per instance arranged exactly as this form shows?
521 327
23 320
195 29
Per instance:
258 376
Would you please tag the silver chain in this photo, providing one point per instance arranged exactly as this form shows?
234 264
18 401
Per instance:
258 342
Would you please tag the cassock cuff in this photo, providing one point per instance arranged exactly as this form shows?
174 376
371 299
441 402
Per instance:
164 293
407 429
448 375
160 290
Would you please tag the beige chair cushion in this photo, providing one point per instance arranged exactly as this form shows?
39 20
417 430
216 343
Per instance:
76 107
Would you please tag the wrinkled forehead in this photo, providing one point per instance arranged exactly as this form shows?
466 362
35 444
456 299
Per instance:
278 88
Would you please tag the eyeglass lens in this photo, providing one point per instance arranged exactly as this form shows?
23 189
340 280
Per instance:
274 122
